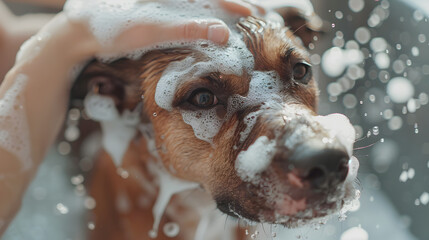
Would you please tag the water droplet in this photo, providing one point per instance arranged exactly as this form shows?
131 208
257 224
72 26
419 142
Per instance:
91 226
339 15
424 198
375 130
62 208
76 180
171 229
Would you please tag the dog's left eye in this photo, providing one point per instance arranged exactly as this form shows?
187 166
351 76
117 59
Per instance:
302 72
203 98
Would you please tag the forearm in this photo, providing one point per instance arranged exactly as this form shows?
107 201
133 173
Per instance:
39 102
18 31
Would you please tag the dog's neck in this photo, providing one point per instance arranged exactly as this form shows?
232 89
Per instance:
135 191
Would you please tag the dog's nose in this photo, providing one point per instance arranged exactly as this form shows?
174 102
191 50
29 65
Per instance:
321 166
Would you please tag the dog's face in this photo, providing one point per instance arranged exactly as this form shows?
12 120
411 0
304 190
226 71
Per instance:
247 131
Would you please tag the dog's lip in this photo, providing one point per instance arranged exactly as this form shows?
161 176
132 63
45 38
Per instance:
287 206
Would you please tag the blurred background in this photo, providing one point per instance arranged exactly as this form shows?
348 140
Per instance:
372 63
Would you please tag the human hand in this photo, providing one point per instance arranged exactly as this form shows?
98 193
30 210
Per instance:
145 32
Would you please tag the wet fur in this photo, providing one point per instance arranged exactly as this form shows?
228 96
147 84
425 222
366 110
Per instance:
187 157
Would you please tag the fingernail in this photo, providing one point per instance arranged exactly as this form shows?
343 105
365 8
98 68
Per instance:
218 33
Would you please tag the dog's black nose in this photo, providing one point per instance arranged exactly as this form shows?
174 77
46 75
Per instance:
321 166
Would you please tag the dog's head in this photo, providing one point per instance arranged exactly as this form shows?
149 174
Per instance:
241 121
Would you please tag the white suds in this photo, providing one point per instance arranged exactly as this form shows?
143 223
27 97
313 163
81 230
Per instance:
172 77
206 123
339 127
168 186
233 59
250 121
100 108
255 159
118 130
14 130
32 47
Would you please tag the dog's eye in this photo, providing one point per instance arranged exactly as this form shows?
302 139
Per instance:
302 72
203 98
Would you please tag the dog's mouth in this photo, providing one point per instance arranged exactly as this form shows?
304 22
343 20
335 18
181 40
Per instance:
291 206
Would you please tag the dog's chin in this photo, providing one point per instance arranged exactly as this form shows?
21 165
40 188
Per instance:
313 208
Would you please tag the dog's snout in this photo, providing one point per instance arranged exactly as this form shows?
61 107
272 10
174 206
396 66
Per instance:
321 167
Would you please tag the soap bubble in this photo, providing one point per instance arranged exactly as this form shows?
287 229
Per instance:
383 155
382 60
395 123
171 229
362 35
356 5
378 44
400 90
349 101
62 209
424 198
355 233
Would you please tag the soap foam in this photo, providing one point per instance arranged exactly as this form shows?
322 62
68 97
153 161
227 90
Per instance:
168 186
14 129
234 59
339 126
117 130
255 159
250 121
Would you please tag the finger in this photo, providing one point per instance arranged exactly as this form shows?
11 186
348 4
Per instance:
213 30
237 6
146 35
258 6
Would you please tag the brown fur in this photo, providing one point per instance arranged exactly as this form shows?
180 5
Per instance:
181 152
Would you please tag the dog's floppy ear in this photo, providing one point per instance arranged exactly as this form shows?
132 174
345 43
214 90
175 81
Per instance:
302 21
118 81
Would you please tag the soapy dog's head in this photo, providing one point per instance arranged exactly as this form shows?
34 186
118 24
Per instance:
240 120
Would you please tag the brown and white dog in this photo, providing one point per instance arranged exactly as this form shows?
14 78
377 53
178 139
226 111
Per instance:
271 159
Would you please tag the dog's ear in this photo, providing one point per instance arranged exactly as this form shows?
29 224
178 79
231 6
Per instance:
118 80
305 25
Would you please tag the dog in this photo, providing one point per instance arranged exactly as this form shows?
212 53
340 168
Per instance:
243 137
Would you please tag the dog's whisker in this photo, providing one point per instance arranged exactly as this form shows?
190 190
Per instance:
303 25
361 156
360 139
368 146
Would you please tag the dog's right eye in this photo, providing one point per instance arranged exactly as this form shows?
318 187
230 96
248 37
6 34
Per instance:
302 72
203 98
